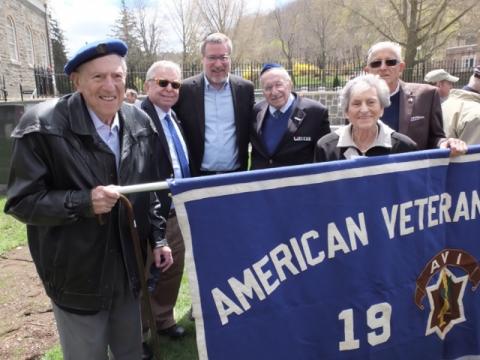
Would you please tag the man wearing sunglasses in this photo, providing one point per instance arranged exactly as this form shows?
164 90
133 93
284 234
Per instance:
215 108
162 85
415 109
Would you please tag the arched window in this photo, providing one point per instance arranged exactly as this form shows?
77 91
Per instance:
43 51
30 47
12 39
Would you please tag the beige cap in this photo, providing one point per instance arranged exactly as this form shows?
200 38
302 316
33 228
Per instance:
439 75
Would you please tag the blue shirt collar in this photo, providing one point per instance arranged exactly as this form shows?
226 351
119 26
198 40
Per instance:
99 124
209 87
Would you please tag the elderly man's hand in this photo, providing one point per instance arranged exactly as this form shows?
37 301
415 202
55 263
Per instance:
163 257
104 199
456 146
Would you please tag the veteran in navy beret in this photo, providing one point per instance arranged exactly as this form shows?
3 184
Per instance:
285 127
69 156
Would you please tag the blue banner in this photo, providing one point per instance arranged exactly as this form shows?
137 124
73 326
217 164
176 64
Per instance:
373 258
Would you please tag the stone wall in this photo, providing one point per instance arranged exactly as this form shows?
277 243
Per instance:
331 99
26 14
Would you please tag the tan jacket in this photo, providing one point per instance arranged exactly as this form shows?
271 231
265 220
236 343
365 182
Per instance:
461 116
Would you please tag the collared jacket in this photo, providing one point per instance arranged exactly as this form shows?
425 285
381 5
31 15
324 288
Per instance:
461 116
58 158
306 125
388 142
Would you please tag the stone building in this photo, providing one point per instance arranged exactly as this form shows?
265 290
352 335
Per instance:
24 45
465 55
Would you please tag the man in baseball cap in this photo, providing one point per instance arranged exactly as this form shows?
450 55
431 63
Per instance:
442 80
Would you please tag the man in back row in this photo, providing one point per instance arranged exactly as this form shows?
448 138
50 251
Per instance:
215 108
415 109
461 112
285 127
442 80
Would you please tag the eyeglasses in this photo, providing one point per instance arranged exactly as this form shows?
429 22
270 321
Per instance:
377 63
278 85
222 58
164 83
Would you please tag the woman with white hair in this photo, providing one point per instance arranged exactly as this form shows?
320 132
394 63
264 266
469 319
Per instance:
363 100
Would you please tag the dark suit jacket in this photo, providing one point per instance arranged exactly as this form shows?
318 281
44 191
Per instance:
162 150
191 109
421 114
307 124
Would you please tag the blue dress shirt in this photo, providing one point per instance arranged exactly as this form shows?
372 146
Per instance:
221 150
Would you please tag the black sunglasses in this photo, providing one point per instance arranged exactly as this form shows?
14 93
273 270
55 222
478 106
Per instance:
378 63
164 83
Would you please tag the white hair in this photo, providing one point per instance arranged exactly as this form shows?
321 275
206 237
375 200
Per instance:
385 45
366 82
163 64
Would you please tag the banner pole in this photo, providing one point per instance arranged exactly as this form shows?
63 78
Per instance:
130 189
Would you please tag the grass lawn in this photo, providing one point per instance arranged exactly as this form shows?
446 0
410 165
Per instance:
13 234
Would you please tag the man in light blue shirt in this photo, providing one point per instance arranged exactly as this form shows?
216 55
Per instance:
216 108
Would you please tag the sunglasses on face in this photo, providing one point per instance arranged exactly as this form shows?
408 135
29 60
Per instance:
164 83
378 63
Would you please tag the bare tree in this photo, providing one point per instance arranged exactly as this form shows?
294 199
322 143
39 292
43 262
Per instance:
222 15
147 28
286 31
184 16
417 25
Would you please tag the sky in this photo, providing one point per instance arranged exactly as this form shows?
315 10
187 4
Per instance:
83 23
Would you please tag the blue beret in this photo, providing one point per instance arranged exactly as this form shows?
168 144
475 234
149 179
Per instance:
95 50
269 66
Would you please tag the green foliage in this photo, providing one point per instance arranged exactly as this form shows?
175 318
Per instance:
12 232
54 353
336 81
184 349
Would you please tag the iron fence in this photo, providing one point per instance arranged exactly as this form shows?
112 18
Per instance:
306 76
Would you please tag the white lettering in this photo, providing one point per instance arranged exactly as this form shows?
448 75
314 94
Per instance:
405 218
225 305
462 208
285 261
357 231
264 276
432 210
306 248
390 220
336 242
247 288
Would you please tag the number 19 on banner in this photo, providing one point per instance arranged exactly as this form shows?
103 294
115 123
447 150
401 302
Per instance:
378 317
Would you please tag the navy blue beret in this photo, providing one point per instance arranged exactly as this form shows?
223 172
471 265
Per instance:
269 66
95 50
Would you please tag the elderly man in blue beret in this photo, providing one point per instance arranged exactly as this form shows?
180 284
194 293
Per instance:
285 127
69 156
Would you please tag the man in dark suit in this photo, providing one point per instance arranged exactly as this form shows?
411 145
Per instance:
215 107
285 127
415 109
162 86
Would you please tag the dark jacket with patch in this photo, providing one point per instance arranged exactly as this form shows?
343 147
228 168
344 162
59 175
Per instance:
58 158
308 123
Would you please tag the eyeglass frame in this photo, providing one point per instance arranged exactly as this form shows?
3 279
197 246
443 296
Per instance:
388 62
212 58
163 83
